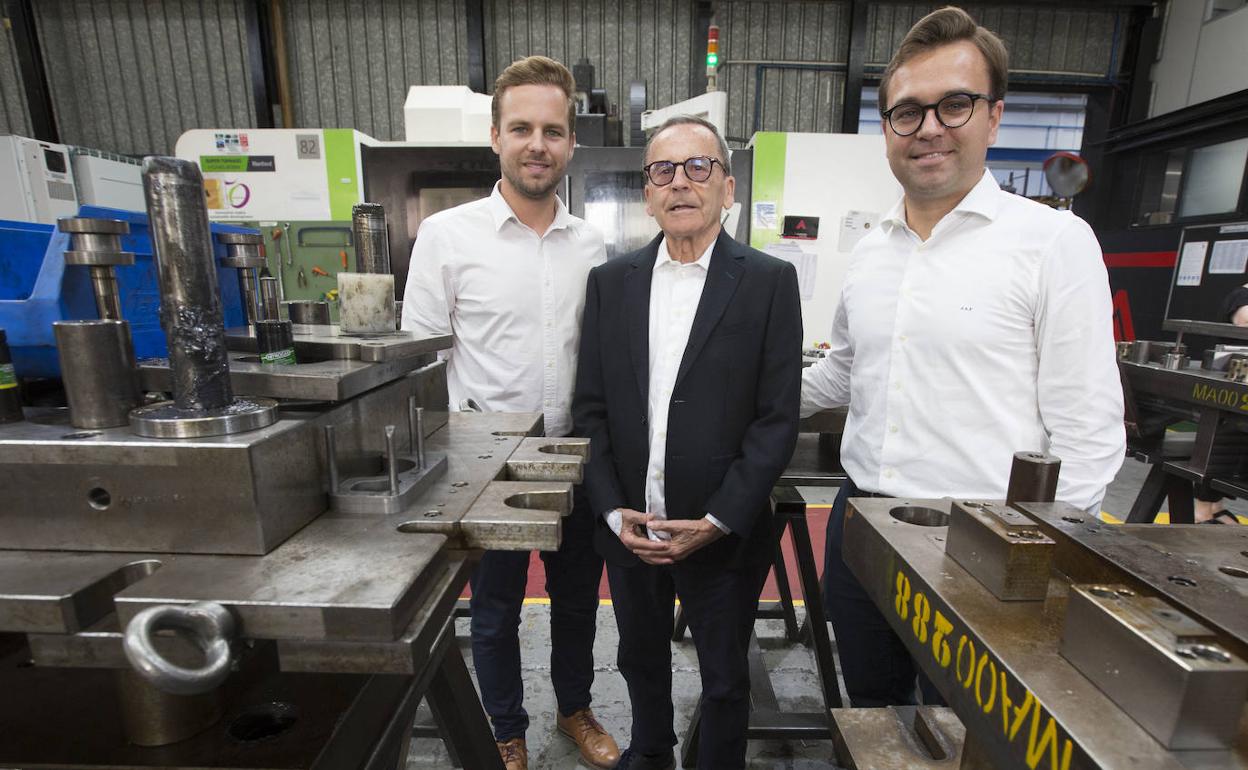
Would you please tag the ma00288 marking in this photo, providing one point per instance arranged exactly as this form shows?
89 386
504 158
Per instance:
1033 737
1222 397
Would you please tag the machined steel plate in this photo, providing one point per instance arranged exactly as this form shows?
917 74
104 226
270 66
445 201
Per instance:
910 737
329 380
1201 568
335 579
63 593
1002 548
995 662
328 342
549 459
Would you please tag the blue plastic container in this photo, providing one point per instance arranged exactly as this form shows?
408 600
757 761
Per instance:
36 289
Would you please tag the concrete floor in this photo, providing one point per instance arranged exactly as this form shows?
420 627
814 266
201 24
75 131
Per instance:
792 669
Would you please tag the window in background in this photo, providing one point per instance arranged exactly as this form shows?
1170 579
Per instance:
1214 179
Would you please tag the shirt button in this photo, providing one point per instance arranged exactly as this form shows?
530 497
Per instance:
892 429
662 434
896 386
902 338
888 474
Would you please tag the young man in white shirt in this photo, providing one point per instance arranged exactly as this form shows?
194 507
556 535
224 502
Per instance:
972 324
506 275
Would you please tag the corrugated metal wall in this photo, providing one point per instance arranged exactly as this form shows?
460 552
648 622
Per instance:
802 89
1040 40
130 76
625 40
352 61
14 114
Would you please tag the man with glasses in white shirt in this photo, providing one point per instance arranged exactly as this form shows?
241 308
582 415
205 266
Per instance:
506 275
972 324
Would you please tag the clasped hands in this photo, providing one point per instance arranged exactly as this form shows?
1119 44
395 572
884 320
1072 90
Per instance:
684 536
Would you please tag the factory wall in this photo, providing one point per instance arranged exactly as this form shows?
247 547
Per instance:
129 76
14 114
625 40
351 61
1199 60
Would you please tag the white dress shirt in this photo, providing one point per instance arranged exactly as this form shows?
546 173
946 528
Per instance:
512 297
675 291
995 335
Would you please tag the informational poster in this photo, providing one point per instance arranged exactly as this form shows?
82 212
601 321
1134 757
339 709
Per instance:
765 215
806 262
1229 257
1192 263
854 227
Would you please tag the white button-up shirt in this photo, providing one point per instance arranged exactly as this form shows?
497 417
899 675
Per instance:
993 336
675 291
512 297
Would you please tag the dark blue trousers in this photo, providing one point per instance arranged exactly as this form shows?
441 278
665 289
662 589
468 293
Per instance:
572 576
877 668
720 604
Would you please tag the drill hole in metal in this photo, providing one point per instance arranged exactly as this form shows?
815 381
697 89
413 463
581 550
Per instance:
1236 572
920 516
1179 580
263 722
1203 652
99 498
81 435
1072 520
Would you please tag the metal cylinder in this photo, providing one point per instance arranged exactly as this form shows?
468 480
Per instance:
10 395
1033 478
1173 360
247 290
372 242
275 341
107 295
154 718
1141 351
97 366
308 311
268 298
190 302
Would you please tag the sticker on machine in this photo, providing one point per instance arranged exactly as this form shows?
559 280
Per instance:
765 215
805 262
1192 263
854 227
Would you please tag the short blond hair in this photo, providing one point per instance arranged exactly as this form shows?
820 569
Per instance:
535 71
943 27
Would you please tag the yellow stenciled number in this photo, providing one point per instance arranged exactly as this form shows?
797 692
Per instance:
902 601
940 642
922 614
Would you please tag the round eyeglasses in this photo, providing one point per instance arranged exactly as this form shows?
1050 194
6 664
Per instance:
697 169
953 111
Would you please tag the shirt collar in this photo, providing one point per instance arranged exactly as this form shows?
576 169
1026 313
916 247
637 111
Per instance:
501 213
665 259
983 199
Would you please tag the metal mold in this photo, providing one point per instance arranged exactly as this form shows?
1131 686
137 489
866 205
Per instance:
920 516
549 459
1165 670
1003 549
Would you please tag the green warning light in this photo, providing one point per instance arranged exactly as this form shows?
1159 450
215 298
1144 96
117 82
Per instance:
712 60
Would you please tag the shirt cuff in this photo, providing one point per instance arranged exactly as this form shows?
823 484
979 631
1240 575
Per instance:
615 520
722 527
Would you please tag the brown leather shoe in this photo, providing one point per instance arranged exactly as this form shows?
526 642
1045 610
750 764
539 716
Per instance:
597 746
514 753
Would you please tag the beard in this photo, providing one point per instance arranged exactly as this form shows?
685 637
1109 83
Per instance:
531 188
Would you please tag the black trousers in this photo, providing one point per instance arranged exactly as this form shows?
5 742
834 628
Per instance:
877 668
720 605
572 577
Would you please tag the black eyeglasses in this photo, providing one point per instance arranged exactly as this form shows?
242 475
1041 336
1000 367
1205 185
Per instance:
954 111
697 169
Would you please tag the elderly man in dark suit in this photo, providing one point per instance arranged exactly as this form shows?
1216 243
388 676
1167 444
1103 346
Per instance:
688 387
